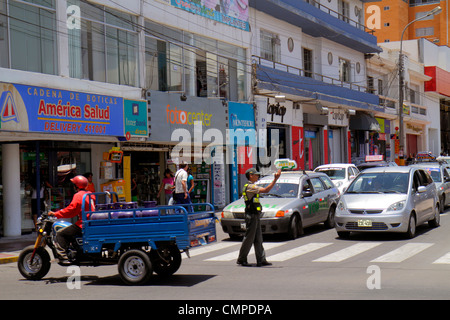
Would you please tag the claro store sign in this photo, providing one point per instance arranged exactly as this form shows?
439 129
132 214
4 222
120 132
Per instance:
38 109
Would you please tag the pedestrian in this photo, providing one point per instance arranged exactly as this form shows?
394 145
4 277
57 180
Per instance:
190 184
181 195
167 185
91 186
253 232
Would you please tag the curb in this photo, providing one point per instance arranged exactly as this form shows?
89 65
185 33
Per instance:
8 259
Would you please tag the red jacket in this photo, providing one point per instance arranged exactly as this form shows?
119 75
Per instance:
74 208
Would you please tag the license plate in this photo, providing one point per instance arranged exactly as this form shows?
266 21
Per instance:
364 223
243 226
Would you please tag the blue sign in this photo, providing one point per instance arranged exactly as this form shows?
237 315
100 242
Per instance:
38 109
242 124
136 118
242 132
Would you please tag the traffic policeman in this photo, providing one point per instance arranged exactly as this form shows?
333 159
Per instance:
253 232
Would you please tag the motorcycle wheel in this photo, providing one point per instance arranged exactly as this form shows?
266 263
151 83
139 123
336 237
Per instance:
135 267
40 266
166 260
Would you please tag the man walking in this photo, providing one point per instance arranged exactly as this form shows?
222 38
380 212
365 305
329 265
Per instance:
181 195
253 232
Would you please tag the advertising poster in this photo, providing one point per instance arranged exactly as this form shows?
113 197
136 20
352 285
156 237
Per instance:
231 12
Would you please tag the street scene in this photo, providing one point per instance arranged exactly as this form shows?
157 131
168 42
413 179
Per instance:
226 150
317 266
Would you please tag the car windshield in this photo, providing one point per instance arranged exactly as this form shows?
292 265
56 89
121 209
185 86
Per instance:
281 190
334 173
380 182
435 173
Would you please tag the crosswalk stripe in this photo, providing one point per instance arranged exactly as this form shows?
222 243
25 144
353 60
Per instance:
295 252
404 252
445 259
233 255
349 252
211 247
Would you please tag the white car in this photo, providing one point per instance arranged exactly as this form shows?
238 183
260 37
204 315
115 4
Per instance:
342 174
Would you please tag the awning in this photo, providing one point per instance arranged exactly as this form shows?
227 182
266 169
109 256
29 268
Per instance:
364 121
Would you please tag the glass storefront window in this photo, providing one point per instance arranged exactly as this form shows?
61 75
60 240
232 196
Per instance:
180 61
105 47
32 31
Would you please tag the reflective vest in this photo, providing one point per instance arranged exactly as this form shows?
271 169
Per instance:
251 205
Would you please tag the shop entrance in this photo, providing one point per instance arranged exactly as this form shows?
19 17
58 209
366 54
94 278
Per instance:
312 148
46 168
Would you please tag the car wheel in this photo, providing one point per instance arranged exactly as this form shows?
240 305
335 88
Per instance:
411 233
442 206
436 222
329 223
295 227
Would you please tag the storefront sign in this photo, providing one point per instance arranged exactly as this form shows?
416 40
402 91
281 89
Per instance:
136 118
168 114
232 13
243 135
38 109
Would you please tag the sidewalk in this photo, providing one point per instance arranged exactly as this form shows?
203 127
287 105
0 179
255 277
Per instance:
10 247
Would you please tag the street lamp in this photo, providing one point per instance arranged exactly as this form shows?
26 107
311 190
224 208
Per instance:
401 78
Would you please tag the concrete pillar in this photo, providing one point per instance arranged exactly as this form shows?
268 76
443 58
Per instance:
12 217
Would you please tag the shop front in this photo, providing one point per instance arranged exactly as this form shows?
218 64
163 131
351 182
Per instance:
194 131
48 136
363 127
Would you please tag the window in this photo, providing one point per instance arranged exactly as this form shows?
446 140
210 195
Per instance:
32 36
344 70
423 32
380 87
317 185
270 46
344 10
176 60
105 47
307 62
370 87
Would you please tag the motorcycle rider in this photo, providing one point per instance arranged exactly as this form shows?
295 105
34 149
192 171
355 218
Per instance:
66 235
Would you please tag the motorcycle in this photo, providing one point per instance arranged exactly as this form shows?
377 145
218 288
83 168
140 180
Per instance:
34 261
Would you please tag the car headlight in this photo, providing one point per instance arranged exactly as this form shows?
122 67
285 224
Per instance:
397 206
338 183
227 215
278 213
341 206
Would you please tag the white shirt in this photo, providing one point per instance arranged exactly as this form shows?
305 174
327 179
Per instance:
180 175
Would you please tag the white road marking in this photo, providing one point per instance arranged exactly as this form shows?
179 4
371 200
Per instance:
349 252
404 252
295 252
233 255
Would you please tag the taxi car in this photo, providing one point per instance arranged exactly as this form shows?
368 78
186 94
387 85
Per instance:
342 174
388 199
298 200
441 178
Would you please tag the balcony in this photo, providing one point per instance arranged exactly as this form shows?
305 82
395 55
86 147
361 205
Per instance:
277 77
319 21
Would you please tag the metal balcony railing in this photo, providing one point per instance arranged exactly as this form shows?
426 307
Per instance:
340 16
308 74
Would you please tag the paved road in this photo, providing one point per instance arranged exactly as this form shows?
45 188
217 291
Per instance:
317 266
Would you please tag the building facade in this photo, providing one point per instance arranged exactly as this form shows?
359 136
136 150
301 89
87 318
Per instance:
309 79
115 88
